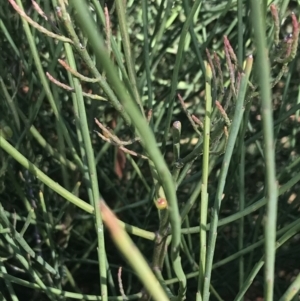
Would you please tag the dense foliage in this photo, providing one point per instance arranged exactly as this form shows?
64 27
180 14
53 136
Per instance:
181 117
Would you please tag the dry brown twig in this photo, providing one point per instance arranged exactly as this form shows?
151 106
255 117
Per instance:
77 74
68 88
39 10
37 26
121 284
109 137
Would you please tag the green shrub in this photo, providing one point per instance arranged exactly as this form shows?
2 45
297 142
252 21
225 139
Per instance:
178 116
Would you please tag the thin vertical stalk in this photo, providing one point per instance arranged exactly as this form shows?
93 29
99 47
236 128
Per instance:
121 11
160 27
263 72
116 51
240 32
177 66
10 104
76 99
241 187
239 110
176 131
91 176
241 181
204 182
195 41
147 55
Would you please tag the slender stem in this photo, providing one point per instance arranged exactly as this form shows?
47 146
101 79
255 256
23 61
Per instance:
171 98
121 11
234 129
60 293
241 181
157 36
285 237
62 191
92 174
43 177
292 290
195 41
240 32
176 132
264 76
147 56
204 181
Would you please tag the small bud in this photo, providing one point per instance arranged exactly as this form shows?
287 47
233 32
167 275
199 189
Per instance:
161 203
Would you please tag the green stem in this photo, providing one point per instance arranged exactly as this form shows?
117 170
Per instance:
61 293
121 11
234 129
292 290
63 192
285 237
204 181
264 76
174 82
92 174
